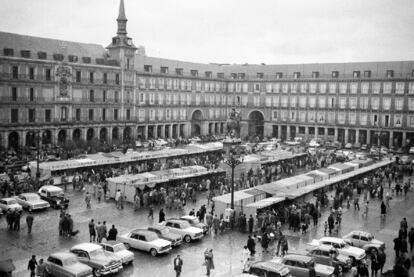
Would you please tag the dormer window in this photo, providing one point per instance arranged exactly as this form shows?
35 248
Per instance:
147 68
335 74
179 71
208 74
100 61
194 73
41 55
8 52
86 59
233 75
73 58
279 75
296 75
367 74
220 75
25 53
260 75
356 74
241 76
164 69
390 73
58 57
315 74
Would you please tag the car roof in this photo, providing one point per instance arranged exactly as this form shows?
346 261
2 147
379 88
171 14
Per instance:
297 257
157 227
363 233
62 255
8 198
332 239
86 246
325 247
51 188
111 242
188 217
270 266
29 194
176 220
142 232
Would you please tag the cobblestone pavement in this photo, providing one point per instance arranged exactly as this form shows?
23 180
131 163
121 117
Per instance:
227 246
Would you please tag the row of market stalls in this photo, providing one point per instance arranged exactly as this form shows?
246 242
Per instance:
57 168
300 187
128 184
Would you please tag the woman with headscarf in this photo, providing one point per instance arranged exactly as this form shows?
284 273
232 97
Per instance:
208 260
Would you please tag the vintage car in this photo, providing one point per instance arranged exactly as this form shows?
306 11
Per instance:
10 203
119 249
268 268
165 233
343 247
102 263
55 196
195 222
146 241
184 229
67 265
299 265
363 240
328 255
31 201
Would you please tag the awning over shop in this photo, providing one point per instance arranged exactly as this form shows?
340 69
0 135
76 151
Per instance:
267 202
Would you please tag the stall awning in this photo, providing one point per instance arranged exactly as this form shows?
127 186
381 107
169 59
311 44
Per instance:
267 202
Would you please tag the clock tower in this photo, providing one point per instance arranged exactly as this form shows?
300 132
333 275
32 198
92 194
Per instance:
122 49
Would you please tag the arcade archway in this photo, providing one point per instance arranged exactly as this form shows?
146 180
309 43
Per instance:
196 120
256 124
62 137
103 134
14 140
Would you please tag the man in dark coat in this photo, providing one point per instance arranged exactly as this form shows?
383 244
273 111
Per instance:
10 218
251 245
16 220
178 264
411 238
32 266
29 222
331 223
251 222
113 232
161 216
397 247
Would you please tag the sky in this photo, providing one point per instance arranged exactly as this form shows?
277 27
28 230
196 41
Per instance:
230 31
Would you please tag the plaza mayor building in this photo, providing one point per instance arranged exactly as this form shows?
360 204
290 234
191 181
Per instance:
71 91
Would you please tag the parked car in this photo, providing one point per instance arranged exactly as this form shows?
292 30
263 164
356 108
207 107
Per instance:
299 265
343 247
55 196
364 147
411 150
183 228
195 222
10 203
63 264
146 241
364 240
323 255
268 268
31 201
119 250
405 160
102 263
348 146
165 233
361 155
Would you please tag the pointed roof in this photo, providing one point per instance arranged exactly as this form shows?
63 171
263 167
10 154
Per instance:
121 15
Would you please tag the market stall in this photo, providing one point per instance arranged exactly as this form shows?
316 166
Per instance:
343 168
329 171
255 207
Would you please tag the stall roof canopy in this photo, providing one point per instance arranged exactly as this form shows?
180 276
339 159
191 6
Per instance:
238 196
266 202
317 172
328 171
340 166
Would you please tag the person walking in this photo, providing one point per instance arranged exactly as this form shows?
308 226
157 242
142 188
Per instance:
99 232
16 220
92 231
113 232
251 245
209 260
32 266
29 222
265 241
382 257
178 265
251 223
151 212
216 224
104 230
383 209
41 270
118 196
245 257
411 238
88 200
161 216
375 264
397 247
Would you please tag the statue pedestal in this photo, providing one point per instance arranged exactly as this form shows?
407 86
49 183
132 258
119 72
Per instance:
232 146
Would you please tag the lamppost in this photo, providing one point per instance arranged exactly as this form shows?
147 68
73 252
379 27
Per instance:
233 162
37 138
379 134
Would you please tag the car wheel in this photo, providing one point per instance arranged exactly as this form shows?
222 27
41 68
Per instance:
153 252
96 272
127 246
187 239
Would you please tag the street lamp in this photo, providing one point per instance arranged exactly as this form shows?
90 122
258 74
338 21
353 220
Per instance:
37 138
379 134
233 162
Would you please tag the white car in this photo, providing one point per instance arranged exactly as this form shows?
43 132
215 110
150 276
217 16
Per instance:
10 203
31 201
363 240
195 222
183 228
314 143
343 247
66 264
146 241
119 250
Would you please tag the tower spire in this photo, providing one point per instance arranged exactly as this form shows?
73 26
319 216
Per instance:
122 20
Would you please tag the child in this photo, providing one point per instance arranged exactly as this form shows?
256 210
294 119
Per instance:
325 227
